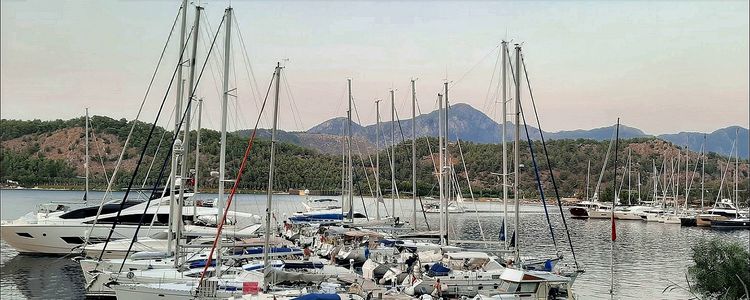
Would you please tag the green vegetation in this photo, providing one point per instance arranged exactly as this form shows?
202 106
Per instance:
299 167
721 270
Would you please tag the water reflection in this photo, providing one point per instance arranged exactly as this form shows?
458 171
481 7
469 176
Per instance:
648 256
39 277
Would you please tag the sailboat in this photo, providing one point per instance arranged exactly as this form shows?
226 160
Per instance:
723 209
740 220
592 208
476 273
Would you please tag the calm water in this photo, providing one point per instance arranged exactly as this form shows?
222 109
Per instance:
648 257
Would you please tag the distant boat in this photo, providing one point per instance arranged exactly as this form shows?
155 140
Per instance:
737 223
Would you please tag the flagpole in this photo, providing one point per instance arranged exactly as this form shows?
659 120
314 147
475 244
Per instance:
614 203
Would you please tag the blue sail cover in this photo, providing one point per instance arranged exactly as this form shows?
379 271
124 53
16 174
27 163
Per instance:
438 269
314 296
317 217
259 250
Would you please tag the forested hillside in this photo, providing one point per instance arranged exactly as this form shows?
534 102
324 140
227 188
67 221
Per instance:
50 153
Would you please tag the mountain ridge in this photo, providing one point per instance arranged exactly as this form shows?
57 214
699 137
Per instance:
470 124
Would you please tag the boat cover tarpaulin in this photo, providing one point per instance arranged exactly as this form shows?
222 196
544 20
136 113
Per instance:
319 297
273 276
439 270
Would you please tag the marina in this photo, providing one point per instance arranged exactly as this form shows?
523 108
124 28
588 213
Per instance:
648 250
216 187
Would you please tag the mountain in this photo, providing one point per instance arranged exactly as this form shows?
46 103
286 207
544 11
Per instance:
719 141
470 124
50 154
465 122
599 134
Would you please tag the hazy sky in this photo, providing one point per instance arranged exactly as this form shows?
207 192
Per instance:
659 66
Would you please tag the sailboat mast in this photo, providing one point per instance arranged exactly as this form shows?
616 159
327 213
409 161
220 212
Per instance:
736 173
86 159
687 163
414 153
629 165
197 145
224 109
197 157
504 173
393 154
269 193
588 179
703 170
447 165
441 169
656 182
379 195
186 139
350 183
639 188
614 203
344 173
177 118
516 153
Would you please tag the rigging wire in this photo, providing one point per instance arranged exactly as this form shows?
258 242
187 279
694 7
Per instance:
468 184
546 155
132 128
241 170
169 154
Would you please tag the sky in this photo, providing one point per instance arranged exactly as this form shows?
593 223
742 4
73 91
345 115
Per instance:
663 67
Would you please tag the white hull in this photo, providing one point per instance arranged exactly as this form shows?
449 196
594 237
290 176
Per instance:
164 292
621 215
63 238
599 214
118 249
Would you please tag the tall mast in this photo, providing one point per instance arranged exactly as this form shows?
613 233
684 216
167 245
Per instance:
414 153
86 159
703 169
448 166
177 119
614 203
269 193
344 173
588 179
516 154
504 100
379 195
197 156
198 145
186 139
224 108
441 169
687 163
629 165
737 172
350 184
656 182
393 154
639 188
677 182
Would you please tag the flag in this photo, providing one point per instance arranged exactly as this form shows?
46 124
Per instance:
614 228
513 240
502 231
